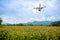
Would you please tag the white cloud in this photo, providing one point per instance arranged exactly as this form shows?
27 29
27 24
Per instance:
51 4
7 19
52 18
41 18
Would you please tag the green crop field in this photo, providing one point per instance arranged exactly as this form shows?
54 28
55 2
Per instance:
29 33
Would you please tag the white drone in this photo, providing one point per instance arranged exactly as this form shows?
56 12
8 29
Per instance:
40 8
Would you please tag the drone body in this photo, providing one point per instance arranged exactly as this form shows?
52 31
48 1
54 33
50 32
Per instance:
40 8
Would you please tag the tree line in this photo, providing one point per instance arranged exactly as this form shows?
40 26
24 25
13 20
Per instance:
55 23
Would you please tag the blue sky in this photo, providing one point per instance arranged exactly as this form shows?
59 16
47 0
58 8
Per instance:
21 11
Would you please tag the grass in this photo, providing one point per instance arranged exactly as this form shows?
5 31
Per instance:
29 33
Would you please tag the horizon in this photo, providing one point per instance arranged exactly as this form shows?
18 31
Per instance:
21 11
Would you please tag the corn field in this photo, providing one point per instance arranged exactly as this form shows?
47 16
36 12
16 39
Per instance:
29 33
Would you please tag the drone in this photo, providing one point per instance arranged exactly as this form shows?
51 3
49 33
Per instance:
40 8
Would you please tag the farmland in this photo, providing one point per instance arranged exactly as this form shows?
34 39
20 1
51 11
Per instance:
29 33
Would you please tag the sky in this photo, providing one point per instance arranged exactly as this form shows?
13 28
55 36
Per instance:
22 11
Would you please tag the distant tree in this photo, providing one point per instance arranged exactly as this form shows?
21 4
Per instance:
30 24
0 21
20 24
56 23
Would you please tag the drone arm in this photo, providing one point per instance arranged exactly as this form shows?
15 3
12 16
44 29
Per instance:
43 7
36 8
